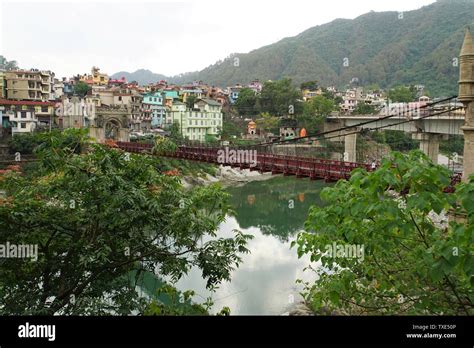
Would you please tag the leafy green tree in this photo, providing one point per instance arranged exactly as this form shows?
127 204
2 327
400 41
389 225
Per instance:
164 146
454 144
411 264
314 113
179 303
246 102
267 122
364 109
190 100
211 139
26 143
397 140
373 87
311 85
231 128
280 98
81 88
7 65
97 217
175 132
319 106
402 94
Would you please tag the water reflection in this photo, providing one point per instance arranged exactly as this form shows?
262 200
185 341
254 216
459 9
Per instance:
272 211
278 206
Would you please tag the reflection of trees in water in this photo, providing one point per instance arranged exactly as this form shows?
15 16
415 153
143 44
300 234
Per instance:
266 204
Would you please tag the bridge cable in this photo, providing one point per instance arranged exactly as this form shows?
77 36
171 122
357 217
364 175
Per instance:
354 126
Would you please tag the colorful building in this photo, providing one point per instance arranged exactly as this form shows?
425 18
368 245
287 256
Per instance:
234 93
308 93
204 119
153 105
95 78
26 116
188 91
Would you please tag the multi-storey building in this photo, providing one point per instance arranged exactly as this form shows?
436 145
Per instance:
205 118
26 116
234 93
75 112
255 86
309 93
2 85
190 90
95 78
136 111
153 105
58 89
32 85
170 96
68 87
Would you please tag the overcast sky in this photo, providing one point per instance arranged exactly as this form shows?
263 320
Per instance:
166 37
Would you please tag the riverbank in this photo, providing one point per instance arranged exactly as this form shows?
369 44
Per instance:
227 176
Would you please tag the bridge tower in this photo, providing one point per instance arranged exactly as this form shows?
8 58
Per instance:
466 96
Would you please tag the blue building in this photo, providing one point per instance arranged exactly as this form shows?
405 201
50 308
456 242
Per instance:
154 108
234 94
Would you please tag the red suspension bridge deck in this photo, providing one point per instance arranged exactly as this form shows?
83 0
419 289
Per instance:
314 168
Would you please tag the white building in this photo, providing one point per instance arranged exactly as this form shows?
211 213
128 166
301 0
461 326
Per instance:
23 121
205 118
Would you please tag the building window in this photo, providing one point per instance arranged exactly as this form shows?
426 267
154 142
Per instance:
23 114
44 109
23 125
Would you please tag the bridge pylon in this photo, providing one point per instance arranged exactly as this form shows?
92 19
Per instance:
466 96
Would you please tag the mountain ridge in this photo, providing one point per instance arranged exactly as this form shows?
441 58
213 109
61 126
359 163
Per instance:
388 48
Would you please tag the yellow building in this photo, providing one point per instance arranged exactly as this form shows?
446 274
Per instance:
96 78
308 94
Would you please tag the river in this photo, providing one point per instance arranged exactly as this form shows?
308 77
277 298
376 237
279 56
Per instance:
273 211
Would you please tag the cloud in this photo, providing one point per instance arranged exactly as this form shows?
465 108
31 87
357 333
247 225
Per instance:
165 37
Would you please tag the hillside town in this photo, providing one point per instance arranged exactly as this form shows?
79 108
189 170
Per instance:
34 100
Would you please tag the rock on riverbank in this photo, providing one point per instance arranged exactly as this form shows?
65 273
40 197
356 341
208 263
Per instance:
227 176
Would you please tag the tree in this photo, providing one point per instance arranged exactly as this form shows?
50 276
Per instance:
231 127
7 65
311 85
402 94
175 132
163 146
211 139
98 217
364 109
409 264
246 102
314 113
26 143
267 122
280 98
319 106
81 88
190 100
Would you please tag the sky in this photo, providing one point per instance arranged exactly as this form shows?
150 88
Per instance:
166 37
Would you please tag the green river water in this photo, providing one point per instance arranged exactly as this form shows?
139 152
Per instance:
273 211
